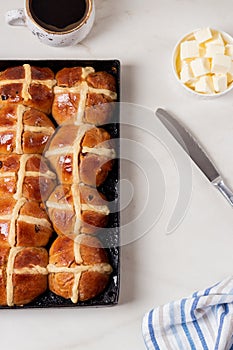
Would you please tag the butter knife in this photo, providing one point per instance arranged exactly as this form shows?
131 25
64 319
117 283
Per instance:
195 151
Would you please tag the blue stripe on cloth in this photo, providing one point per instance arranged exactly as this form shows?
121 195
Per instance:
207 291
196 324
184 325
145 326
151 330
223 315
173 328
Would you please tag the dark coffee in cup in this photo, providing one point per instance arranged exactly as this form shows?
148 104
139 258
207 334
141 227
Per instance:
57 23
58 15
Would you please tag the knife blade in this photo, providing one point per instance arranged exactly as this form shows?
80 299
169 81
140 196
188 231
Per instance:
195 151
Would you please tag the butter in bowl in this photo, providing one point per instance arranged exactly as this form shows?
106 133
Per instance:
203 62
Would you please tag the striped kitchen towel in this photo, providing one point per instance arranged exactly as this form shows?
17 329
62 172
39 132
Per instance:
202 321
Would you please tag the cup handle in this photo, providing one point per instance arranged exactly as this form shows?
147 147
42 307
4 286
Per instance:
16 17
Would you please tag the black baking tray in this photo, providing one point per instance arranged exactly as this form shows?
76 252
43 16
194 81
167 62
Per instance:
110 188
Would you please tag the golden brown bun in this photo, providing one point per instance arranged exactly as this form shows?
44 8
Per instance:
28 226
23 274
89 209
69 77
78 280
31 86
23 130
91 168
26 176
102 80
97 89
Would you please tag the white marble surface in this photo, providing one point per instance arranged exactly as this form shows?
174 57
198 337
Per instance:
157 267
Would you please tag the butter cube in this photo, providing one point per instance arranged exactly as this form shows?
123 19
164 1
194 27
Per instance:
200 66
220 82
203 35
221 64
212 50
186 74
229 50
205 85
189 49
216 40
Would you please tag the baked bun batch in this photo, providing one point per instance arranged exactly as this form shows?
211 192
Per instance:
50 207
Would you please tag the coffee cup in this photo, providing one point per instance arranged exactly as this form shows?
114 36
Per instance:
55 22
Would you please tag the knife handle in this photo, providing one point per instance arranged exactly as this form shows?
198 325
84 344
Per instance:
222 187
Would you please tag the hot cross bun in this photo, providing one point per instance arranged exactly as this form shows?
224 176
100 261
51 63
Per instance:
23 130
24 223
28 85
26 176
84 95
23 274
76 209
81 153
78 269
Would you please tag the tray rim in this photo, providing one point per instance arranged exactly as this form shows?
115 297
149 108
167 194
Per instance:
10 62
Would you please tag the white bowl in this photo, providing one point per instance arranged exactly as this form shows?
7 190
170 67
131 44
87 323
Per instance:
227 38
